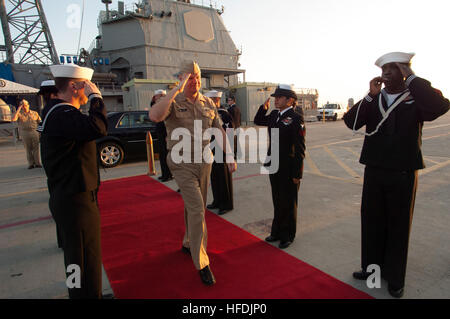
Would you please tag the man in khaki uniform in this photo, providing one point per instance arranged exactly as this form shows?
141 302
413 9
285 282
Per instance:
184 109
28 121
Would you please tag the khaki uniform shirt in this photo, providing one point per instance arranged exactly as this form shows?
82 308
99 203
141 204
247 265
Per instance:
28 121
182 113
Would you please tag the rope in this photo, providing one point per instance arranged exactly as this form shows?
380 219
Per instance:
81 28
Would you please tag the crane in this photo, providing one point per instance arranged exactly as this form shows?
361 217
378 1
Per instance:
31 41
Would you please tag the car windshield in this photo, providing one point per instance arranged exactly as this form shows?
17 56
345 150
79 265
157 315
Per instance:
331 106
139 119
124 121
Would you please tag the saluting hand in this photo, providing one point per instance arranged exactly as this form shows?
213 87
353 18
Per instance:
90 88
375 85
183 82
267 104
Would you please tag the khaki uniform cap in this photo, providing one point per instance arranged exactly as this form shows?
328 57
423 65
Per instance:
190 66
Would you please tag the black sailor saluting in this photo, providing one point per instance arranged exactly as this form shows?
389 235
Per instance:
70 160
393 117
285 182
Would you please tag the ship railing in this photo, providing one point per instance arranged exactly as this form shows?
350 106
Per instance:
109 86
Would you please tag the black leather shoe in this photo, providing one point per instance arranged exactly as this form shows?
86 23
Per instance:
284 244
186 250
207 276
212 206
166 179
31 167
361 275
396 292
271 239
37 166
223 211
160 177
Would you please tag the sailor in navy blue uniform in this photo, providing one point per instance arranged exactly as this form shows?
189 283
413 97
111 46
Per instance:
221 178
70 160
48 92
235 113
394 118
285 182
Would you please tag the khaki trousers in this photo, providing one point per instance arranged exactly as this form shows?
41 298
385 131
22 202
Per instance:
31 143
192 179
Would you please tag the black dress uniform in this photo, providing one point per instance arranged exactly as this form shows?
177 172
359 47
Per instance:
392 157
70 160
161 133
46 90
221 178
235 113
291 154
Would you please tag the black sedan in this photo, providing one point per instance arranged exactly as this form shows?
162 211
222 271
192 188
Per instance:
126 137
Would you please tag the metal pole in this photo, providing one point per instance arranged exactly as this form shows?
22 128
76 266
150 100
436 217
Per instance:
81 26
107 11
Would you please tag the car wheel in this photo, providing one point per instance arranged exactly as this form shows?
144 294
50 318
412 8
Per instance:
111 154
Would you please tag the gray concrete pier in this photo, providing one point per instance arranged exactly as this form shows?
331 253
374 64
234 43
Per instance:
328 231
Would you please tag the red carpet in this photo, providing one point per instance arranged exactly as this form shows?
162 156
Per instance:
142 229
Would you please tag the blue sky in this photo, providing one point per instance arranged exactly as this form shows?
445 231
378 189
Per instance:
330 45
